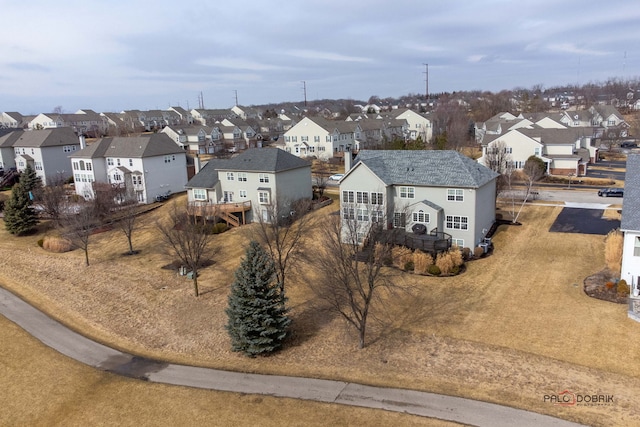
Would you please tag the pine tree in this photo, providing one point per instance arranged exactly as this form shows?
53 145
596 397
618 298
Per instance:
19 216
31 181
257 310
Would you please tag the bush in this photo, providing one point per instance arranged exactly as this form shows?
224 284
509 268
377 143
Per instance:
623 288
466 253
609 285
220 227
381 254
401 255
445 262
478 252
421 261
434 270
408 266
56 244
40 242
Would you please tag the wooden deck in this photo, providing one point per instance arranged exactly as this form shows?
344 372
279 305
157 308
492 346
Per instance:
232 213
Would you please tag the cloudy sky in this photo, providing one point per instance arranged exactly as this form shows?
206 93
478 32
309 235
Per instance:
138 54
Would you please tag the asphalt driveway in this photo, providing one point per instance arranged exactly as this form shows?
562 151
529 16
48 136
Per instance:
585 221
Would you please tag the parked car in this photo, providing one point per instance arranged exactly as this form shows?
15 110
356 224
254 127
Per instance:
611 192
628 144
336 177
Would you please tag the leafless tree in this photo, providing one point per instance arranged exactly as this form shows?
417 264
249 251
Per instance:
534 169
498 159
283 233
127 221
351 265
53 199
321 175
189 237
80 223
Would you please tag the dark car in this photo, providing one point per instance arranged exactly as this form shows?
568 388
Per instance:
611 192
628 145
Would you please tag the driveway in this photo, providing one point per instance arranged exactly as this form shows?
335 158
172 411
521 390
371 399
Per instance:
584 221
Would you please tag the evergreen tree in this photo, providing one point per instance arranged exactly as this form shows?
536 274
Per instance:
19 216
257 310
30 180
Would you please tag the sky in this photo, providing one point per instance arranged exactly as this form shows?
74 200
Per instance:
138 54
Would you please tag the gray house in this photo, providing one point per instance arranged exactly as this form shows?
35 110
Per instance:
244 188
432 191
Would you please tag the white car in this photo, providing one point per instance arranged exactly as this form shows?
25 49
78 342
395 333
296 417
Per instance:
336 177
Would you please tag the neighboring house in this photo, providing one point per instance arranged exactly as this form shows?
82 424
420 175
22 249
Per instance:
195 139
418 124
444 191
83 122
324 139
242 189
47 151
145 166
630 226
185 116
7 153
560 149
11 120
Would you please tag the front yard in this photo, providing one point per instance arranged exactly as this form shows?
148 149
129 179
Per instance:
516 326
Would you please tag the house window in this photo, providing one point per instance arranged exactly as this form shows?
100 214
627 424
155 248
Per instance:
229 176
167 159
457 242
67 148
312 149
242 177
320 148
455 195
88 165
455 222
118 162
263 197
304 138
117 177
110 161
399 219
243 193
376 216
377 199
362 197
76 166
407 192
363 215
38 166
263 177
536 151
287 139
508 150
199 194
636 247
294 139
136 179
348 213
421 216
347 197
130 162
316 138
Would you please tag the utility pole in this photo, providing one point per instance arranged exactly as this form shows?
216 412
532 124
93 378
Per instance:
426 72
304 89
236 92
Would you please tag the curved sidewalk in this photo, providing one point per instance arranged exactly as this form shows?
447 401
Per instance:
82 349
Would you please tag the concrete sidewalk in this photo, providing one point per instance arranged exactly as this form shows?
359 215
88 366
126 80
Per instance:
84 350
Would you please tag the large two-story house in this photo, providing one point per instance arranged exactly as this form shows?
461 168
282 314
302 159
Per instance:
630 226
321 138
145 166
442 191
248 187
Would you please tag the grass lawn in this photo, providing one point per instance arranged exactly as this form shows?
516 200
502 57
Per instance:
516 326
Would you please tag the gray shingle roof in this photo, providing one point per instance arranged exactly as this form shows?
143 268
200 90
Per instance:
157 144
631 205
47 138
432 168
265 160
207 177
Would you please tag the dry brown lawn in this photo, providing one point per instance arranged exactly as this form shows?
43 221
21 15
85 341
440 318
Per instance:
514 327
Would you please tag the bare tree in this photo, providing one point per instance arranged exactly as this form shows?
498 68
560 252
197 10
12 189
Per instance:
534 169
352 265
80 224
283 233
321 175
53 199
498 158
127 221
188 237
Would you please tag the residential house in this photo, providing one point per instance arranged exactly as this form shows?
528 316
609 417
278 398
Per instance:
324 139
195 138
244 188
11 120
83 122
419 125
46 151
245 113
630 226
186 118
7 154
209 117
145 166
443 191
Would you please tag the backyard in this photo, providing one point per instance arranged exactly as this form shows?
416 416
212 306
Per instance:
514 327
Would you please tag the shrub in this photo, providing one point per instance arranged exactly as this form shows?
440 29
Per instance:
401 255
40 242
56 244
220 227
421 261
433 270
466 253
408 266
478 252
455 270
609 285
445 262
456 256
381 254
613 250
623 288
